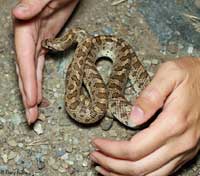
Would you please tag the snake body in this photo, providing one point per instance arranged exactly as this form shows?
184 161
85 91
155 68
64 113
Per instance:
104 99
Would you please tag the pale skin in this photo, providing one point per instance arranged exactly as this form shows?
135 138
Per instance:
159 150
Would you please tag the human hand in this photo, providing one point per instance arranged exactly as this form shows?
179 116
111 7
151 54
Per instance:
35 20
172 139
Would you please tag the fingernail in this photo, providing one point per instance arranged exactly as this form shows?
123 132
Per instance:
98 168
27 115
22 7
137 115
93 158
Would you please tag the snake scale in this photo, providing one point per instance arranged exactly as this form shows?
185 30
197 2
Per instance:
103 98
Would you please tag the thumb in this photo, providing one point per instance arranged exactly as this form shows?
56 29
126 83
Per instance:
152 98
27 9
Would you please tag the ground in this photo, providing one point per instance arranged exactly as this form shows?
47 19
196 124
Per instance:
158 30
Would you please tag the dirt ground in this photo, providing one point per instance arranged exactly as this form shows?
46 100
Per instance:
158 30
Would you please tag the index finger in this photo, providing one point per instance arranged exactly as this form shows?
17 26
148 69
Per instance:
25 51
142 144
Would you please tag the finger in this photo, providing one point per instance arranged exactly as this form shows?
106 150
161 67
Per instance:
27 9
105 172
31 113
26 62
40 66
174 165
144 142
153 96
148 164
117 166
166 169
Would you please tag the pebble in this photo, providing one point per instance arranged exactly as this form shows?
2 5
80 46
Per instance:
69 148
106 123
60 153
84 163
19 159
40 161
12 142
4 158
190 49
172 47
108 30
20 145
42 117
62 170
70 162
147 62
65 156
154 61
11 155
38 128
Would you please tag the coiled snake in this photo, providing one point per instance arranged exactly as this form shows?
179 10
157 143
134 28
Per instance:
104 99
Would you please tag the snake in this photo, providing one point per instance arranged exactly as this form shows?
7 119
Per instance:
100 99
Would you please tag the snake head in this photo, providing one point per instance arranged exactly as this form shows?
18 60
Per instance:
52 44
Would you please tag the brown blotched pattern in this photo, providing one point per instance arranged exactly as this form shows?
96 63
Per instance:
102 98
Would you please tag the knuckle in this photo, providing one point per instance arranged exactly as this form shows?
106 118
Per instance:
152 96
179 125
192 141
172 67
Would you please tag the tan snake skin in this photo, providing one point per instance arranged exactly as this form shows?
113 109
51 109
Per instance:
104 99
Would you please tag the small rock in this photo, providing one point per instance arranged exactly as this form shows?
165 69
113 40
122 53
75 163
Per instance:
40 165
60 153
40 161
172 47
190 49
154 61
38 128
4 158
69 148
69 162
19 160
106 123
147 62
42 117
108 30
62 170
84 163
11 155
65 156
12 142
20 145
